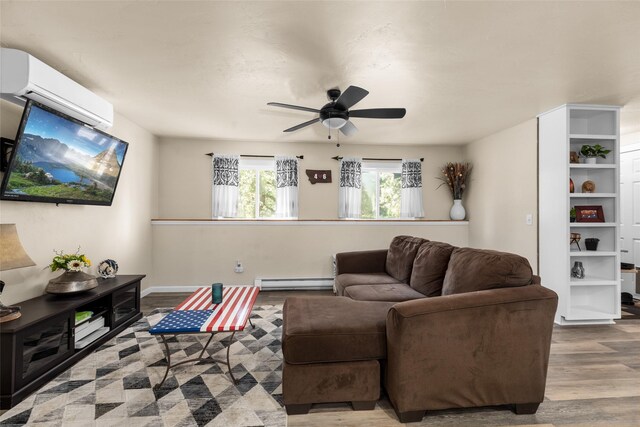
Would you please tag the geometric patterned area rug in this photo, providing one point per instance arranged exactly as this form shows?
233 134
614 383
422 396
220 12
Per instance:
113 386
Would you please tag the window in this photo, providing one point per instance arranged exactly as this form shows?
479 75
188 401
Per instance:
257 188
381 185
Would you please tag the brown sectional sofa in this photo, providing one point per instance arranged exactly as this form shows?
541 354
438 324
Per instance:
438 326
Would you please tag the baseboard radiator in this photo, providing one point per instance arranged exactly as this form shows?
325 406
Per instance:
294 283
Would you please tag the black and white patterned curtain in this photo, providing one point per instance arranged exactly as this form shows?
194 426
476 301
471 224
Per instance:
411 203
226 178
350 193
286 187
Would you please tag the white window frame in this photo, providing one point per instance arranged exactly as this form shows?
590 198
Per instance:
378 167
257 165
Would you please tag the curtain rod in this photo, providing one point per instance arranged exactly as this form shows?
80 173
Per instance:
371 158
257 155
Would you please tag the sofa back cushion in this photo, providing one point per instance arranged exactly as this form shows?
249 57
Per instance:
400 256
430 267
481 269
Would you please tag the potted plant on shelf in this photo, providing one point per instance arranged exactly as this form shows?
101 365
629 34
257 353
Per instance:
73 280
592 152
455 176
572 215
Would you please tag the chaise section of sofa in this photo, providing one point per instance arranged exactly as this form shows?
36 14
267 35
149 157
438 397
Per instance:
331 348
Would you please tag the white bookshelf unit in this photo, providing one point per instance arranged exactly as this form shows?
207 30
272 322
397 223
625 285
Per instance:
594 299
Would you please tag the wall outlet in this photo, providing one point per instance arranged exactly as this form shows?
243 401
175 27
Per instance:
529 219
239 268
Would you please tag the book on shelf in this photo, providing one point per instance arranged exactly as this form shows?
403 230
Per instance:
81 316
91 337
88 328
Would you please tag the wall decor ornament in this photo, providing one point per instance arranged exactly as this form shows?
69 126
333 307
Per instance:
573 157
318 175
107 268
588 187
577 271
575 238
572 188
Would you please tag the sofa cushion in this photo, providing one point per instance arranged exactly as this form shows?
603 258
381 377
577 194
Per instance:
480 269
400 256
430 267
333 329
396 292
343 281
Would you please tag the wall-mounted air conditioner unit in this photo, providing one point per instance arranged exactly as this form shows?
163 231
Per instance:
24 77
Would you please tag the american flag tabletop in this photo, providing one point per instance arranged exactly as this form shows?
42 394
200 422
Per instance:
198 313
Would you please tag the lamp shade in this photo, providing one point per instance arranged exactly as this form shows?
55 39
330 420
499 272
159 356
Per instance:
12 254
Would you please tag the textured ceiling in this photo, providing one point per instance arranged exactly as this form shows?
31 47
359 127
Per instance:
462 70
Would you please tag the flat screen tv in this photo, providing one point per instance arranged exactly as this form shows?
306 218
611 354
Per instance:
58 159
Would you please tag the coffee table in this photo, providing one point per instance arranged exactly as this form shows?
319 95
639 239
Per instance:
198 315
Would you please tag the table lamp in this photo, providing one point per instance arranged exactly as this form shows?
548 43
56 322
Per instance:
12 255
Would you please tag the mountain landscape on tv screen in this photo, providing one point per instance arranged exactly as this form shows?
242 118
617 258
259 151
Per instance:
46 167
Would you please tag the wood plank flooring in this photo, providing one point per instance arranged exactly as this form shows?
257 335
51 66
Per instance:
593 380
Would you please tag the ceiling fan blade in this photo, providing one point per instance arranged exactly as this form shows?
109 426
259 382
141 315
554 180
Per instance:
293 107
379 113
349 129
301 125
351 97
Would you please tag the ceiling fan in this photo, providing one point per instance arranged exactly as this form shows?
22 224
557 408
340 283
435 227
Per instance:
336 114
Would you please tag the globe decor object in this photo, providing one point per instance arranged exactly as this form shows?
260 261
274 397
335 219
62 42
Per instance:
107 268
73 280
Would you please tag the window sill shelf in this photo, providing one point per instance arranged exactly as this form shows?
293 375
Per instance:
301 222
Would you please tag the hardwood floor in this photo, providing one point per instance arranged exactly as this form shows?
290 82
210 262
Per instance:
593 380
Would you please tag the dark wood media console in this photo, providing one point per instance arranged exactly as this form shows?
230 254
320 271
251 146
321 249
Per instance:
41 344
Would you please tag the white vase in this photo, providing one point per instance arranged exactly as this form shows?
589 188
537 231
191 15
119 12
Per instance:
457 211
590 160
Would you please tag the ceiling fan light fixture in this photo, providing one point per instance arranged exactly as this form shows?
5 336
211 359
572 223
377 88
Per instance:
334 122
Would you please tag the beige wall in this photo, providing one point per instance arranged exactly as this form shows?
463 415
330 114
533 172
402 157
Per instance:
121 232
630 138
185 173
503 191
202 254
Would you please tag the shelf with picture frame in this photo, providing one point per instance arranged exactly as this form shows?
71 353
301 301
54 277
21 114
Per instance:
594 298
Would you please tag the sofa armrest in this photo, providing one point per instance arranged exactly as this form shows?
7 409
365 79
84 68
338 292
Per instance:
473 349
361 262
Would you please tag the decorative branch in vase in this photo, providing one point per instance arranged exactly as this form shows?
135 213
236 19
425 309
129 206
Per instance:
455 176
73 280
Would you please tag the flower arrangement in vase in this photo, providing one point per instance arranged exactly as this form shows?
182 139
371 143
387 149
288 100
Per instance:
73 280
455 176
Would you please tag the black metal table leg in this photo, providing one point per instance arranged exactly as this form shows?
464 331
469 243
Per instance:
196 359
228 363
166 346
251 323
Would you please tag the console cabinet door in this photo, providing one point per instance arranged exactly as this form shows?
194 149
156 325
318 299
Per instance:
126 304
43 346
